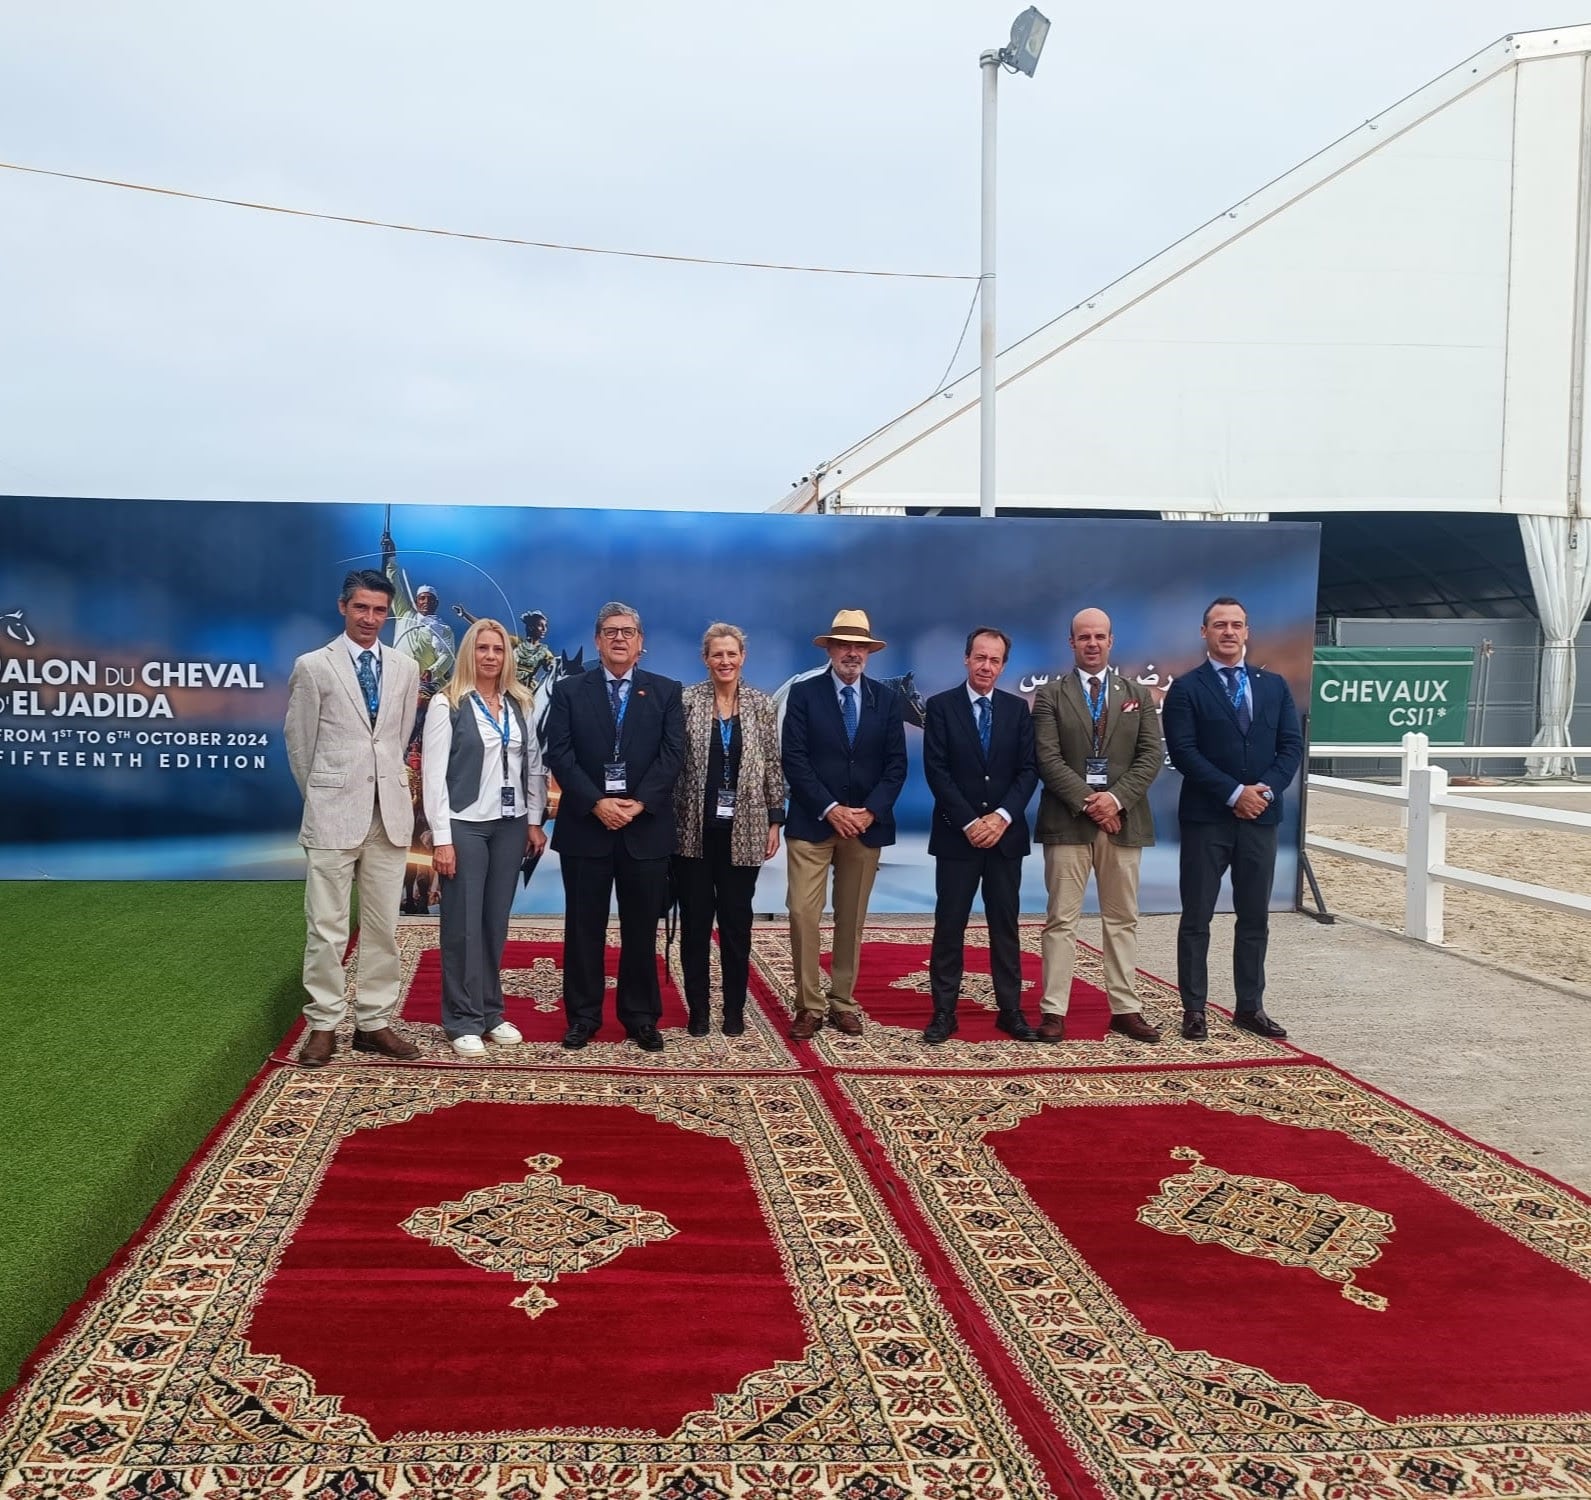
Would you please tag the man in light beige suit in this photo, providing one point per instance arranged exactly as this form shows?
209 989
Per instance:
350 710
1097 741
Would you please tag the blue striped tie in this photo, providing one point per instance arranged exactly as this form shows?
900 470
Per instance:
984 723
367 684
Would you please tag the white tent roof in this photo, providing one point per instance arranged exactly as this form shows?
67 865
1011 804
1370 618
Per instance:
1399 323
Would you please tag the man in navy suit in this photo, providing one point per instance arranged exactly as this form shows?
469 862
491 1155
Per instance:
978 758
615 741
1232 731
844 747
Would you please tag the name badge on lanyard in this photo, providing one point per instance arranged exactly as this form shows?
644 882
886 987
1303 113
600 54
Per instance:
615 776
726 793
1096 767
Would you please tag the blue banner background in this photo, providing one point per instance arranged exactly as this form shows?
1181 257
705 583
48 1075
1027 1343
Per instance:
123 584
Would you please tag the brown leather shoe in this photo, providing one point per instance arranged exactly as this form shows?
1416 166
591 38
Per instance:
1052 1029
387 1042
1131 1023
318 1049
806 1025
847 1021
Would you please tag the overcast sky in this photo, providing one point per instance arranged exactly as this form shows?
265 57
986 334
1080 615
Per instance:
155 347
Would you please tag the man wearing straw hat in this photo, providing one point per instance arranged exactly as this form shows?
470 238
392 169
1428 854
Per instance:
845 760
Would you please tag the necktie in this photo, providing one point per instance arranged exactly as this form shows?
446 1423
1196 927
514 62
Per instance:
848 710
1093 696
616 696
1239 698
984 722
367 683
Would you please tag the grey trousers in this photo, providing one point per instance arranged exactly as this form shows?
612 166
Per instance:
475 906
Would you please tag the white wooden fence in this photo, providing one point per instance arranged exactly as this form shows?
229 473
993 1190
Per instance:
1425 796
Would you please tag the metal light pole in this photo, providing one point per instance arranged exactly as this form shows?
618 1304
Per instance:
1021 55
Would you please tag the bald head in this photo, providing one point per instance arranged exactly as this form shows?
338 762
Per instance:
1091 639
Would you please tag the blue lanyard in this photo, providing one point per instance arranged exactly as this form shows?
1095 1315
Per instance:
1096 709
504 730
626 687
726 733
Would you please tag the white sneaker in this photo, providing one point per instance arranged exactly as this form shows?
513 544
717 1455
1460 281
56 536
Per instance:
505 1032
469 1046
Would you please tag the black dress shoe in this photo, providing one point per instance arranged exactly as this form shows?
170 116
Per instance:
1257 1022
941 1028
1014 1024
1193 1026
578 1035
734 1020
697 1025
387 1042
647 1038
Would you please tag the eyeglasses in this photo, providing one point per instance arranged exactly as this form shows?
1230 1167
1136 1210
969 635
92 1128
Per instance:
618 632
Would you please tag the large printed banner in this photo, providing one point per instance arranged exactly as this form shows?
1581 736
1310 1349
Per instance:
145 647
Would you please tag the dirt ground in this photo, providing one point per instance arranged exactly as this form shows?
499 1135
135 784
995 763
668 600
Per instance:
1556 945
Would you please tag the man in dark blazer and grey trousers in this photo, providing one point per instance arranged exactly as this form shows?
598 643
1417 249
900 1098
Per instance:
615 741
1232 730
978 759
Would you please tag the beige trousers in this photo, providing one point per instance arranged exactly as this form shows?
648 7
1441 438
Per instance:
377 866
1066 868
806 876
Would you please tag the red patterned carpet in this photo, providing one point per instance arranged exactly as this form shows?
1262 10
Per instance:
1275 1274
746 1269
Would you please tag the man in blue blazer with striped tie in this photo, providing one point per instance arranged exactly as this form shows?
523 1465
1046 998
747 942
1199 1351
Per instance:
1232 731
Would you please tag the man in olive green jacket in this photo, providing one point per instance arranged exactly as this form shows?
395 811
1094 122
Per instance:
1097 737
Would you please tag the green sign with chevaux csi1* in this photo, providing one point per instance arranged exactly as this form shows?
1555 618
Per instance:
1374 695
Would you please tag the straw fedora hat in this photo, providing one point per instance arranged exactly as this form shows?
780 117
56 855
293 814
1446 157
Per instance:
850 625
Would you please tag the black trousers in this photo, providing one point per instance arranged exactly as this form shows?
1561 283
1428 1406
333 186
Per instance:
956 882
712 888
1209 850
588 885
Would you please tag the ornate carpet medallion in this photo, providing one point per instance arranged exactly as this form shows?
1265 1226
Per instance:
538 1230
161 1390
1263 1217
541 981
1157 1417
894 993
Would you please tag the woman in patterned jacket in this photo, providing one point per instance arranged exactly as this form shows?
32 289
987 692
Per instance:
728 807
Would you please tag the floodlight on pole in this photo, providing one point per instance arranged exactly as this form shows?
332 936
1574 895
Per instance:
1021 55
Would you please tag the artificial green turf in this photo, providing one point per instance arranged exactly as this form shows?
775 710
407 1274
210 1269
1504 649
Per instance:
134 1014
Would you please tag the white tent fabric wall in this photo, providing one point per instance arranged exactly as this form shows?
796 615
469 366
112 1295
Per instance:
1399 324
1558 552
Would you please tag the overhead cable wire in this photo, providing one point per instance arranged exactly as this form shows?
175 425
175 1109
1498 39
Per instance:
488 239
966 323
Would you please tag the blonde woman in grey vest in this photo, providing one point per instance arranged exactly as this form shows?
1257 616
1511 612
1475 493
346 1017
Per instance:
485 793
